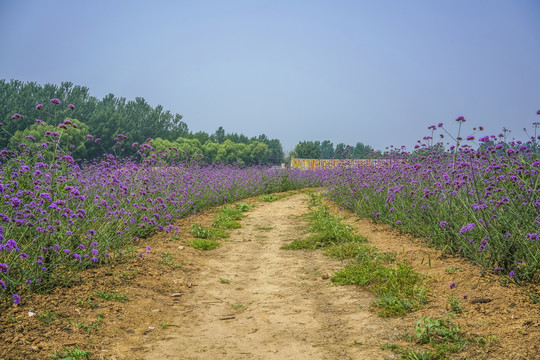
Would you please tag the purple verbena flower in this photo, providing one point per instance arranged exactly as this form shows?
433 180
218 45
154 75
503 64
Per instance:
16 299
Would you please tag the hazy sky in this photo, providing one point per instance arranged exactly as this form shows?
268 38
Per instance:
379 72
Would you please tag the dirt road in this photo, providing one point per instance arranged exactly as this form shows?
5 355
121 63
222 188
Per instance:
253 300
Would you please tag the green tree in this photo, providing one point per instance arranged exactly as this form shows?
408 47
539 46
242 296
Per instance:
219 135
307 150
189 147
275 156
341 151
327 149
105 118
258 153
69 140
202 136
361 151
210 150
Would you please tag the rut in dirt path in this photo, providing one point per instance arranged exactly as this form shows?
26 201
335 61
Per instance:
254 300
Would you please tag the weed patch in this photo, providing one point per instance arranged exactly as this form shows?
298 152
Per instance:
47 316
112 295
343 251
201 232
243 207
227 218
168 260
272 197
205 238
204 244
455 304
69 353
434 339
327 230
398 287
441 336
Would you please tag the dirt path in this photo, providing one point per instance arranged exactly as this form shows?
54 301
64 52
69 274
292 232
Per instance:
253 300
249 299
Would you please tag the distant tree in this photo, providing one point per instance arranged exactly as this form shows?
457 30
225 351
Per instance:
258 153
237 138
426 150
69 140
136 119
261 138
307 150
202 136
361 151
341 151
210 150
105 118
219 135
189 147
327 149
275 149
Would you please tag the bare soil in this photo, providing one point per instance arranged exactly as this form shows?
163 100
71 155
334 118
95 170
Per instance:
249 299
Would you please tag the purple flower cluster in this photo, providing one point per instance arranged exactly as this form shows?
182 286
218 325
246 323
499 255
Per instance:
51 207
488 192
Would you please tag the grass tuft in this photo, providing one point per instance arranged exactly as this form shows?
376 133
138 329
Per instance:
227 218
398 288
112 295
204 244
327 231
201 232
69 353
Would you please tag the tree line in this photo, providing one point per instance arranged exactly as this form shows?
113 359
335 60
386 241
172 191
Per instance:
326 150
93 125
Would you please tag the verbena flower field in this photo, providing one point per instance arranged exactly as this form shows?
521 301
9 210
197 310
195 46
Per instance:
59 216
481 202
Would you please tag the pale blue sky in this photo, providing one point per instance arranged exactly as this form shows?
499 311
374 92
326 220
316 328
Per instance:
379 72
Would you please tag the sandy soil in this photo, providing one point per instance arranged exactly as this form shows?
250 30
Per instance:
249 299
